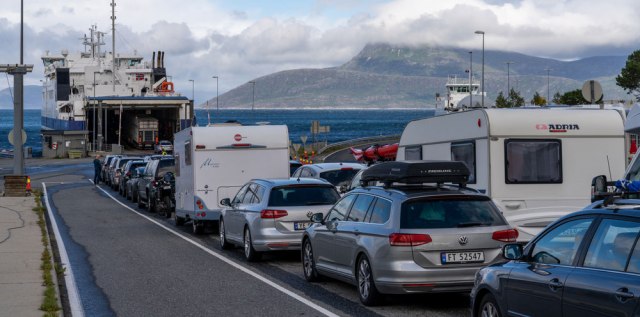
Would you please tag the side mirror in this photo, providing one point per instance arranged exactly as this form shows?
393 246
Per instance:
599 188
225 202
317 218
512 251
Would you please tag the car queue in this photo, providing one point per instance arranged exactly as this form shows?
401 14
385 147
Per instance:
419 229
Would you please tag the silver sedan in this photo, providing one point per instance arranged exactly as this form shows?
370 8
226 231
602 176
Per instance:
272 214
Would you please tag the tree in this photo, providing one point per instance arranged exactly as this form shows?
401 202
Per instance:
556 98
573 97
629 78
515 100
501 102
538 100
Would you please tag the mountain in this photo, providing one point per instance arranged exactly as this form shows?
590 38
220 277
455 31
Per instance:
32 97
386 76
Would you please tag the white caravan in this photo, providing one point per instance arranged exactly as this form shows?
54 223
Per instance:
213 162
536 164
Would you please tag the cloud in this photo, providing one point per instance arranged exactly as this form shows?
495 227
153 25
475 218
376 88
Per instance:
239 43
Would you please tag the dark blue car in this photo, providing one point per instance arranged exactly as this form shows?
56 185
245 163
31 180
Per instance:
584 264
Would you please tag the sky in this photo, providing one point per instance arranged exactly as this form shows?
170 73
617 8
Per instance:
241 40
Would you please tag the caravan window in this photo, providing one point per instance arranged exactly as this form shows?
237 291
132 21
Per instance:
533 161
187 153
413 153
465 152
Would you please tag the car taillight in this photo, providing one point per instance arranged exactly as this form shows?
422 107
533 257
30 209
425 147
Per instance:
273 214
128 174
509 235
408 239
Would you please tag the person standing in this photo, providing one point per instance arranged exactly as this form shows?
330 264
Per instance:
97 166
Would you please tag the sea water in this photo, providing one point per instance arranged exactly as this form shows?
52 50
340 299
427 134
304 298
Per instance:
343 124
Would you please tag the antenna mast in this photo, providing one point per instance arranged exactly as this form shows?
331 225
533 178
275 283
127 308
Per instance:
113 42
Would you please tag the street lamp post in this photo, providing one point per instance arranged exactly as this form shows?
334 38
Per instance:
253 95
548 96
470 79
193 99
482 91
508 81
93 141
217 109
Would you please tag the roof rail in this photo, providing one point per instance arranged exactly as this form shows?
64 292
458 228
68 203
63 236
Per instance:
418 172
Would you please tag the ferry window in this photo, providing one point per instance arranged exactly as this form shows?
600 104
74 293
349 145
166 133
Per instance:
187 153
465 152
413 153
533 161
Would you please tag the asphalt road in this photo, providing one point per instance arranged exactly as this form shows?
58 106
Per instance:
128 262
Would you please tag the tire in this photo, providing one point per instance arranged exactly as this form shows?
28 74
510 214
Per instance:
198 227
308 263
249 252
167 207
224 244
367 290
150 207
139 201
179 221
488 307
126 194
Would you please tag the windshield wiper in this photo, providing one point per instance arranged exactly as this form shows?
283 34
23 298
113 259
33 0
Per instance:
313 203
472 224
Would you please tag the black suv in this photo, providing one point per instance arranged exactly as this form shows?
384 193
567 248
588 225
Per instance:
584 264
149 182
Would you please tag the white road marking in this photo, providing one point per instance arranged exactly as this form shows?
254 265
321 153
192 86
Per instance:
228 260
75 302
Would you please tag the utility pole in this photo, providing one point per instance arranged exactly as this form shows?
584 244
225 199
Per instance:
18 71
470 79
508 82
548 96
253 95
482 91
113 44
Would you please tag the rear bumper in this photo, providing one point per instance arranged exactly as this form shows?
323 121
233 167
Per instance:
407 277
270 239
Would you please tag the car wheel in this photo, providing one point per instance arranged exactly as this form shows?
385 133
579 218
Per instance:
167 207
139 201
198 227
488 307
367 291
149 205
127 195
249 252
179 221
308 263
224 244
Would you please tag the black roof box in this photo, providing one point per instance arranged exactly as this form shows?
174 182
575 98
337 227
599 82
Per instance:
418 172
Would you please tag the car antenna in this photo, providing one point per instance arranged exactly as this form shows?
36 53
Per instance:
609 165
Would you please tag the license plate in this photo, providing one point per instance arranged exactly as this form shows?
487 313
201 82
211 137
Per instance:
461 257
301 225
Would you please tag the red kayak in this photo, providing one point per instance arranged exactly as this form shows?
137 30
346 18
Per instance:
376 153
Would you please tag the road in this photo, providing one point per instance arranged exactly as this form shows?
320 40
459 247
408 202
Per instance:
128 262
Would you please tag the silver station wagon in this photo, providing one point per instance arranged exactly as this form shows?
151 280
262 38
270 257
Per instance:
415 234
272 214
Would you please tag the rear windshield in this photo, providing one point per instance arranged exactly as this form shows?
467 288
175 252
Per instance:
338 177
165 142
165 166
303 196
459 212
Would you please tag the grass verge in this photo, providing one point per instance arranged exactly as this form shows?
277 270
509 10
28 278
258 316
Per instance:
49 305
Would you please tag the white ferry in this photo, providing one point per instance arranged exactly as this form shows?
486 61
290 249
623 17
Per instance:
458 96
94 100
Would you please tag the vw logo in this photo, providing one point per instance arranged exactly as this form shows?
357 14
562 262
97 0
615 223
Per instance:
309 214
463 240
